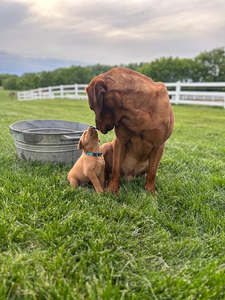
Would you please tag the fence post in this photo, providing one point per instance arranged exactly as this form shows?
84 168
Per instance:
39 92
76 90
61 90
50 92
177 96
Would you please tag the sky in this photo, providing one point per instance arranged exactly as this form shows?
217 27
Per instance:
106 31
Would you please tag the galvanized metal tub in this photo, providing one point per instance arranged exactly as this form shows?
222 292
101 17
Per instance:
48 140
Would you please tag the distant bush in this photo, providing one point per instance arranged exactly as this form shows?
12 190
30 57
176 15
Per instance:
10 83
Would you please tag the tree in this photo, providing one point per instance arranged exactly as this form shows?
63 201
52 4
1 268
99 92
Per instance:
28 81
210 66
4 76
99 69
10 83
134 66
72 75
58 77
81 74
45 79
168 69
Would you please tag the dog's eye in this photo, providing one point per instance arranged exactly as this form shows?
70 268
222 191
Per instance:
85 132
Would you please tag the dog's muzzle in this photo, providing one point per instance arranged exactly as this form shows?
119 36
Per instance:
107 128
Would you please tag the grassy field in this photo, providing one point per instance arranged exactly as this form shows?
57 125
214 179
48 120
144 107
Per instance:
60 243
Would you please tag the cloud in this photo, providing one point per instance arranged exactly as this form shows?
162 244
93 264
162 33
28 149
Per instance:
111 31
12 14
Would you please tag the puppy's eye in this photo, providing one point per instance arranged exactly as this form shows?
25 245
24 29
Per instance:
85 132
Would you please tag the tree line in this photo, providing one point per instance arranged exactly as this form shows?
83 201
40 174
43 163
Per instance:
206 67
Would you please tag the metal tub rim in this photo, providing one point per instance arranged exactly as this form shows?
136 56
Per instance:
47 139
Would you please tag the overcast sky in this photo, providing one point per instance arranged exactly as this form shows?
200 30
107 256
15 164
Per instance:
111 31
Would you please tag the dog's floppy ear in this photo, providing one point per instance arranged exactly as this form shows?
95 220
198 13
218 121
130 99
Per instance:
80 146
96 91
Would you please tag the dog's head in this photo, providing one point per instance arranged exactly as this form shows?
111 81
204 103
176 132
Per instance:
96 91
89 139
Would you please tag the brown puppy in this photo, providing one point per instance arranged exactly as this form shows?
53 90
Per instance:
140 111
90 166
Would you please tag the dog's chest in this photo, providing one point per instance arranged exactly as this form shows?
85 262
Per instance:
96 164
139 147
99 165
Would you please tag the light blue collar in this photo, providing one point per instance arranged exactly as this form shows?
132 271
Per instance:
94 154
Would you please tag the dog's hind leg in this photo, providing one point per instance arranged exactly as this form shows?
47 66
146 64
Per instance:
73 181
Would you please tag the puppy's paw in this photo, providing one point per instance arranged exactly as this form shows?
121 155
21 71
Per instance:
99 190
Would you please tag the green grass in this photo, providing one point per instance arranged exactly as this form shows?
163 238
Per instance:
60 243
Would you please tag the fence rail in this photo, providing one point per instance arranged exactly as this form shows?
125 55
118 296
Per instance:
72 91
199 93
179 93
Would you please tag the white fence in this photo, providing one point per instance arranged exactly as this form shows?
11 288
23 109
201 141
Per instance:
179 93
73 91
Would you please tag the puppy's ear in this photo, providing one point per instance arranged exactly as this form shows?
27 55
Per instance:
96 91
80 146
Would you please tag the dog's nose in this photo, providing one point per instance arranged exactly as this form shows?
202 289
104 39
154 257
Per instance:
107 128
93 127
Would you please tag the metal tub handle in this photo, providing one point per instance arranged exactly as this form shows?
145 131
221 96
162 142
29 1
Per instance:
70 137
33 138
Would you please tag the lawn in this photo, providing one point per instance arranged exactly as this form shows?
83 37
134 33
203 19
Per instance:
57 242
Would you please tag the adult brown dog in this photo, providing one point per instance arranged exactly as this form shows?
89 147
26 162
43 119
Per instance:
141 113
131 164
90 166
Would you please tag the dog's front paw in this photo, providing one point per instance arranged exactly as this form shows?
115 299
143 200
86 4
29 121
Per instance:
150 189
113 187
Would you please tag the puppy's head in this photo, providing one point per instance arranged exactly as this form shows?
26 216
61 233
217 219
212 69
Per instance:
96 91
89 139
